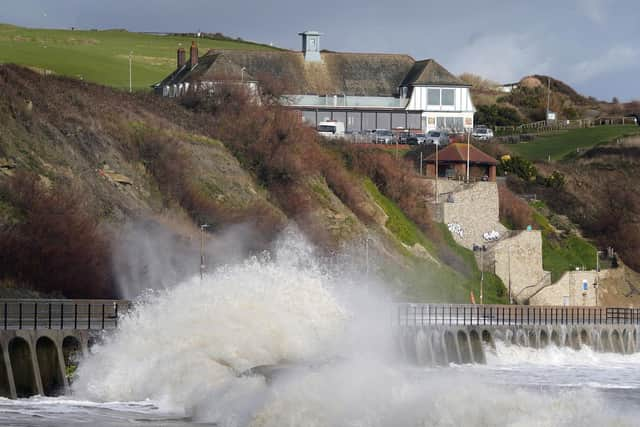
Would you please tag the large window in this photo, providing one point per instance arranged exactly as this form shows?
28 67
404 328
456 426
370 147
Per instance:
447 96
433 96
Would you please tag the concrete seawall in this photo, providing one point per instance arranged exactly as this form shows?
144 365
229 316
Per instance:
35 362
438 345
40 340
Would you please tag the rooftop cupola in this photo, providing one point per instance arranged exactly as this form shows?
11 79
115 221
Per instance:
311 45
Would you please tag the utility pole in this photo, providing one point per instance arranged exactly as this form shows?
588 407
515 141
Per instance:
482 249
130 74
437 195
548 97
597 284
468 150
202 260
509 257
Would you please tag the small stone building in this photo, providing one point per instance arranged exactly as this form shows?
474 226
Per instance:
452 163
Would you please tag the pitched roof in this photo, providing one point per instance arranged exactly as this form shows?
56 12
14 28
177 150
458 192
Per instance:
457 153
352 74
429 72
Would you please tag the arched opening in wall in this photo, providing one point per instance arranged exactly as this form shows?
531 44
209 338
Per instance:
555 338
616 342
521 339
476 347
533 339
71 353
22 367
487 339
544 339
463 345
452 350
625 341
575 339
49 364
437 346
5 390
604 341
584 338
423 350
409 345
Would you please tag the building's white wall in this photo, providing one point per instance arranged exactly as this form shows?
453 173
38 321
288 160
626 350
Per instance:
462 107
462 100
430 119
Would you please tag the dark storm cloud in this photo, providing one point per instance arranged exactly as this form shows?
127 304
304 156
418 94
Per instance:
592 44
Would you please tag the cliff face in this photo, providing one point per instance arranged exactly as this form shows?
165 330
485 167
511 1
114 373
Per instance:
99 186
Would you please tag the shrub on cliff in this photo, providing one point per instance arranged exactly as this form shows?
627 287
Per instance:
54 243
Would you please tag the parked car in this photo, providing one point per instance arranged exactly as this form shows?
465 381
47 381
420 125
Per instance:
382 136
437 137
482 133
416 139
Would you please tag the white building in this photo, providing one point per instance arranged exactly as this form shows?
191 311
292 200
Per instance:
363 90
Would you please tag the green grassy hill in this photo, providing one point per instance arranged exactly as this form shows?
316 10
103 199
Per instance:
101 56
562 144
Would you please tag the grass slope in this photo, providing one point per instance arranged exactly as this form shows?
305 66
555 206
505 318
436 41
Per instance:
563 144
432 282
562 254
102 56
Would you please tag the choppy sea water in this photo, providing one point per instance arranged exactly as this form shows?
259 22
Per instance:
517 387
179 359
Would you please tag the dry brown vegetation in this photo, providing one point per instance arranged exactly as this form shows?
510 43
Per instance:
282 153
514 212
55 244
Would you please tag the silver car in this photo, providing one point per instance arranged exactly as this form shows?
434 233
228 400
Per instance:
383 136
437 137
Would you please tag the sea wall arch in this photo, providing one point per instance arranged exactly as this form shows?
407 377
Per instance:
23 367
50 367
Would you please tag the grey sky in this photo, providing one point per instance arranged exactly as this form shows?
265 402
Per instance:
594 45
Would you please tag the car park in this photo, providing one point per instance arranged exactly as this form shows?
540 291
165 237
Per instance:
437 137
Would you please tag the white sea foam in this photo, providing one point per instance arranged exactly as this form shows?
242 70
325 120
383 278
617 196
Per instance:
184 348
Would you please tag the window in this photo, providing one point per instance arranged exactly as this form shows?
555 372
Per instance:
433 96
448 96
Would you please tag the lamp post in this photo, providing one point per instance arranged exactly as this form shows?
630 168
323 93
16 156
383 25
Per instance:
130 74
202 263
481 249
468 154
596 285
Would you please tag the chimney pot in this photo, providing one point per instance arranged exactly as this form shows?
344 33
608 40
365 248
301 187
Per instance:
182 57
193 53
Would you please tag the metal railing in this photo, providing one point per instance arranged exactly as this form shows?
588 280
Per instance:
507 315
61 314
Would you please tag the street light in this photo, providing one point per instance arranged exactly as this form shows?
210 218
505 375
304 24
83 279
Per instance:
482 249
597 284
202 264
130 79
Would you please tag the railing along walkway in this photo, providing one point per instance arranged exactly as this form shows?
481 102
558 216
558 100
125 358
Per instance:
512 315
16 314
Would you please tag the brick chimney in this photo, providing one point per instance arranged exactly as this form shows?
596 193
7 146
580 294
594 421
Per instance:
193 52
182 57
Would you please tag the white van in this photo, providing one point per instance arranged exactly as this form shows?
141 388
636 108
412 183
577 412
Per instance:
331 129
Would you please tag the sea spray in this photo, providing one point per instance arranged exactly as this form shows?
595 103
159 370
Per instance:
198 337
186 349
